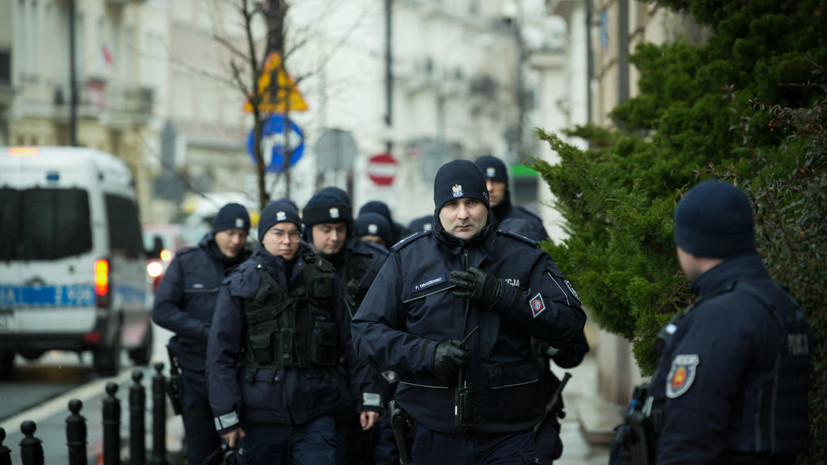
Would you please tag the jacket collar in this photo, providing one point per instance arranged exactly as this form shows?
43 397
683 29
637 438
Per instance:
502 209
743 266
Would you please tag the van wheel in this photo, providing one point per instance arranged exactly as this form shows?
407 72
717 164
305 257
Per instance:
108 359
6 363
141 356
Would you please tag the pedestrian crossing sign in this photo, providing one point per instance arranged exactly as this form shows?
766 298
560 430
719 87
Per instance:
287 96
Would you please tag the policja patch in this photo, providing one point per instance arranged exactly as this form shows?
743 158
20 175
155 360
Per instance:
681 375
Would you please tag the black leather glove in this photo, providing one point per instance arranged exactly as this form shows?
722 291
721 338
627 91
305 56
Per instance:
449 357
477 285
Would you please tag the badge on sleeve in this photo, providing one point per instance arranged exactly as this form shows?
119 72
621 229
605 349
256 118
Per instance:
537 305
681 375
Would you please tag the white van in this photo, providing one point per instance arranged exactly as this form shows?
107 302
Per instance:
72 261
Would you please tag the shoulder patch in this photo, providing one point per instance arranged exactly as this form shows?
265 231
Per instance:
537 305
407 240
519 237
681 374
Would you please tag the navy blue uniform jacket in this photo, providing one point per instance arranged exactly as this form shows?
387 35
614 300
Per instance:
295 395
186 298
723 342
409 309
518 219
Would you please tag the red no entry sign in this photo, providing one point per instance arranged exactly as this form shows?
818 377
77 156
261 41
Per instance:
382 168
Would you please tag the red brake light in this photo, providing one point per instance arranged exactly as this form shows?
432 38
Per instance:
102 282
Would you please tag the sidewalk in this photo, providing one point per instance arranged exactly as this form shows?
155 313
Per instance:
588 427
585 432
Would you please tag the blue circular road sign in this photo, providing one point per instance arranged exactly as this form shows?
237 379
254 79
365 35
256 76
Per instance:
273 139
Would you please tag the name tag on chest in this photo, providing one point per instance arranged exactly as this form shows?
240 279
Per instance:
428 283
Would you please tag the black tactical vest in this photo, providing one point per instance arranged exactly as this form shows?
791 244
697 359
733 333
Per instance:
293 329
357 277
774 403
774 410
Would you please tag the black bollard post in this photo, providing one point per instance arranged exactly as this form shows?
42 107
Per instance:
5 452
31 448
137 420
76 434
159 417
111 426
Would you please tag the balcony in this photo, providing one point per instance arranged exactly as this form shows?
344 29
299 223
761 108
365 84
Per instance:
114 105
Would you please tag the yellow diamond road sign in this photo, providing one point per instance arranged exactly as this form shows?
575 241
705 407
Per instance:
287 98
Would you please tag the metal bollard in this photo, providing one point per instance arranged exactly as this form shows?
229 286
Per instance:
5 452
31 448
111 426
76 434
137 422
159 417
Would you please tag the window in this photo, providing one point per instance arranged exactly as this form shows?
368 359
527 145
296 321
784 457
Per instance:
124 226
44 224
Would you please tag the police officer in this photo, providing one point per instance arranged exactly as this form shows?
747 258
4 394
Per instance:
524 221
330 230
184 304
453 312
279 337
398 231
374 228
731 384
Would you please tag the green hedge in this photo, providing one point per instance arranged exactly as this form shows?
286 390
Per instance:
747 106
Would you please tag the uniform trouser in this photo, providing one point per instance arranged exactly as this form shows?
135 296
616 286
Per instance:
356 447
202 439
433 448
386 452
271 444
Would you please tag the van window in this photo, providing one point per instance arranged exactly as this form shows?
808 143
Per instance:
124 226
44 224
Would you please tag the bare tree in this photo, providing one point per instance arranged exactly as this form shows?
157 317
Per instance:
247 58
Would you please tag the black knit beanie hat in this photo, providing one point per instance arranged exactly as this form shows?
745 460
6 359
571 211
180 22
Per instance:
326 207
374 224
378 207
493 168
339 193
231 216
714 219
459 179
279 211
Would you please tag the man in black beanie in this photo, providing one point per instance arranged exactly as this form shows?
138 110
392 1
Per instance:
281 362
398 231
732 380
453 312
184 304
330 230
509 217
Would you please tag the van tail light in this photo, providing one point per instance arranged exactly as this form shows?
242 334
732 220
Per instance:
102 283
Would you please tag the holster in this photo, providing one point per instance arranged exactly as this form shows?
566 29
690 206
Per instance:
222 455
404 429
175 390
634 440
